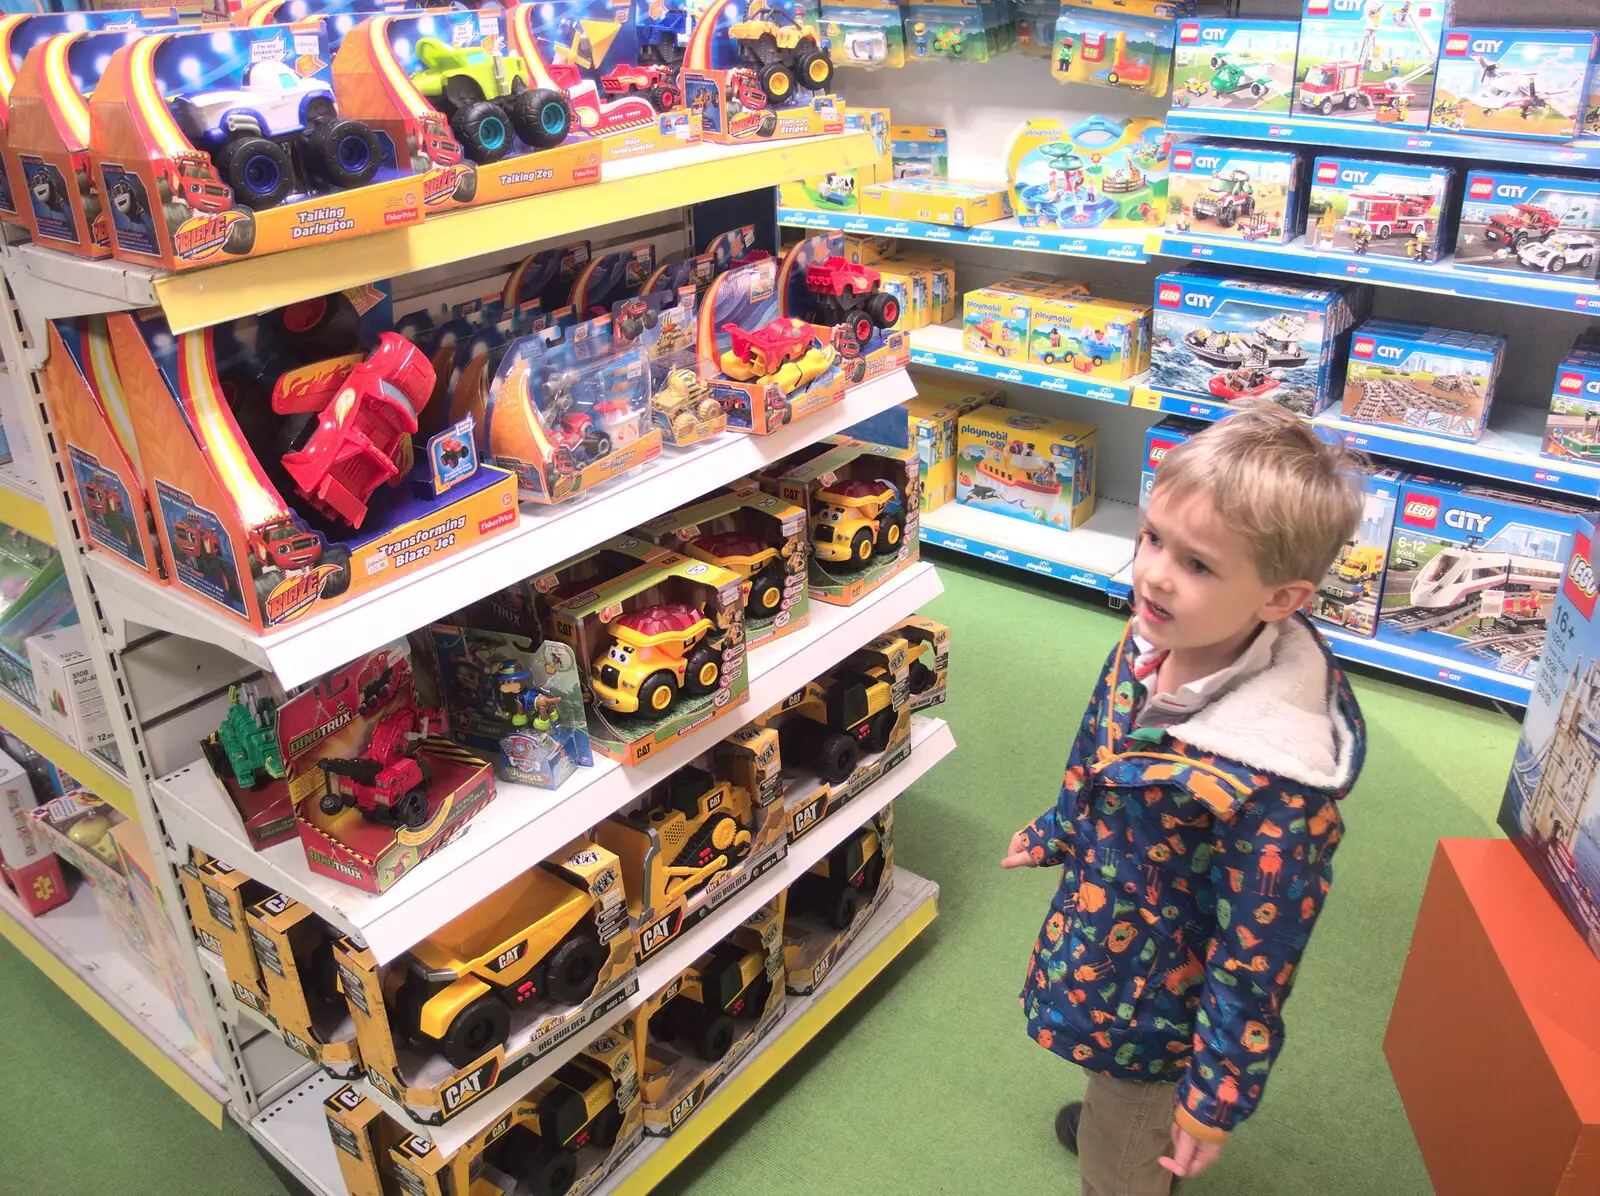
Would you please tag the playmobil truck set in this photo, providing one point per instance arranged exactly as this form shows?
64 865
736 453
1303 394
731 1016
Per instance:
1238 192
1364 206
1235 64
1547 224
1370 61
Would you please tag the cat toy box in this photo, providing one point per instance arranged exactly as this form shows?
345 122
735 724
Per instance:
1572 429
1394 209
1235 64
1371 61
1472 574
1026 466
1538 223
1236 191
294 949
829 905
1425 379
1502 82
937 201
1102 172
1348 594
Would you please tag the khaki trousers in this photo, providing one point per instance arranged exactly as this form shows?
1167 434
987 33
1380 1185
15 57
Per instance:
1126 1126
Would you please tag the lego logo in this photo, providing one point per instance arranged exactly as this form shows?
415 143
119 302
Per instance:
1480 189
1158 451
1316 8
1570 384
1580 587
1188 35
1421 513
1362 347
1581 574
1169 296
1182 159
1457 43
1327 172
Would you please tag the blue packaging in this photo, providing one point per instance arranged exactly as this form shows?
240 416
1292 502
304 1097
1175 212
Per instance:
1159 439
1500 82
1235 63
1572 429
1374 206
1246 192
1530 223
1425 379
1347 595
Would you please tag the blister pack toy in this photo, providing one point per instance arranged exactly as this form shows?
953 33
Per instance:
1110 49
662 324
863 36
1101 172
949 34
1036 27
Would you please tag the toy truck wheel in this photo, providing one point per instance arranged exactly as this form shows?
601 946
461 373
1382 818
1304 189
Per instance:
1586 261
835 758
658 693
703 671
816 69
344 152
1351 100
259 171
599 445
842 910
713 1037
777 81
573 968
1226 216
889 536
605 1127
922 677
766 594
1326 107
412 809
337 582
476 1030
879 730
768 125
663 98
884 309
331 804
482 130
683 425
523 1155
542 117
861 326
861 546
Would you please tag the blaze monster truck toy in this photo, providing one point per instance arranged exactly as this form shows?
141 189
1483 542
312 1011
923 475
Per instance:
486 98
278 134
856 520
838 718
844 880
753 559
783 52
536 938
574 1108
683 403
845 293
656 654
727 982
782 351
657 84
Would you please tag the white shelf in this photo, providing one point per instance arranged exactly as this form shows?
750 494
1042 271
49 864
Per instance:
943 347
545 536
524 824
1097 553
294 1128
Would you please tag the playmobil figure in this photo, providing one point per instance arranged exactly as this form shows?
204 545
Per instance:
486 97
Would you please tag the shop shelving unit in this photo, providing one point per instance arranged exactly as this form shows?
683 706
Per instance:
1001 234
166 691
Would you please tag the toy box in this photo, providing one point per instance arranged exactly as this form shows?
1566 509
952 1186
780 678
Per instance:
663 647
229 894
701 1025
247 763
1026 466
528 610
1513 82
1550 809
1530 222
928 666
28 865
863 509
937 201
699 836
1235 64
762 539
68 689
294 949
1572 429
662 322
1236 191
363 1141
1371 61
839 191
931 419
1102 172
920 151
829 905
1234 336
1114 49
1394 209
1348 594
995 322
544 956
1428 379
1472 574
941 272
1589 129
852 309
1099 338
1169 432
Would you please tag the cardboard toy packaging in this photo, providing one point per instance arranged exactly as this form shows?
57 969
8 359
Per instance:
829 905
1098 338
207 931
1159 438
68 688
247 763
957 203
294 949
1511 82
1570 430
419 1037
1348 594
928 665
1539 223
1364 206
363 1138
1027 466
1102 172
1550 809
1371 61
1129 50
920 151
526 609
1427 379
29 867
943 302
931 418
1235 64
229 894
1246 193
840 191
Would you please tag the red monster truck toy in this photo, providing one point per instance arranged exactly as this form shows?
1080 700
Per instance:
386 783
846 293
763 352
362 437
656 84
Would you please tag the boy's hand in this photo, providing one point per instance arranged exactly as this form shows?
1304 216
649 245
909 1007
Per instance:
1018 855
1190 1156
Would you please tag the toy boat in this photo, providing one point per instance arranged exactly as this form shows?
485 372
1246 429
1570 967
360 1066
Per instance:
1241 384
1270 345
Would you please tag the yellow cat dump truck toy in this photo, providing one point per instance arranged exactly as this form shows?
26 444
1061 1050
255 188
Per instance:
727 982
844 880
753 559
837 718
703 826
657 653
534 939
574 1108
854 520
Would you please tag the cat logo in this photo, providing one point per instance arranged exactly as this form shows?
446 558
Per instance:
808 815
295 1042
346 1098
507 958
469 1088
660 932
683 1108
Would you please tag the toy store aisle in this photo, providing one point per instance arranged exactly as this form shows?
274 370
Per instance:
929 1084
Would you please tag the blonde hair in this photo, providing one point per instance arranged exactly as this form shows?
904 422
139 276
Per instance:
1294 497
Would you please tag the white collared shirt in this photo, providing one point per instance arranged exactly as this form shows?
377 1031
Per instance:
1164 709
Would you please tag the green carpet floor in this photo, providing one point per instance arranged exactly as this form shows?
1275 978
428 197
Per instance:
927 1084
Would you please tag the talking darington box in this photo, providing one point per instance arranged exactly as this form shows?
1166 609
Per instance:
1026 466
1224 337
1539 223
1235 63
1347 595
1472 574
1507 82
1242 192
1159 439
1370 60
1426 379
1551 808
1572 429
1371 206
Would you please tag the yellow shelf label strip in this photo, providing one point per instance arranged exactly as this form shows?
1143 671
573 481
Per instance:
93 775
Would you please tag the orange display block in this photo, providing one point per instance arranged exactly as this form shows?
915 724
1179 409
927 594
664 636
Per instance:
1494 1039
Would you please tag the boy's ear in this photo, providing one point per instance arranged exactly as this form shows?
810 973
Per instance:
1285 600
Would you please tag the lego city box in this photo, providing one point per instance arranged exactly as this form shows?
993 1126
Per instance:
1371 61
1363 206
1472 574
1542 223
1027 466
928 662
955 202
840 190
1424 379
258 161
1227 337
698 1028
1571 431
1512 82
294 949
496 988
1100 172
1159 439
229 894
1235 64
760 537
831 903
1347 595
1240 192
863 508
663 651
1098 338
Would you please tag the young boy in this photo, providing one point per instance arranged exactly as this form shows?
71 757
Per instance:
1196 823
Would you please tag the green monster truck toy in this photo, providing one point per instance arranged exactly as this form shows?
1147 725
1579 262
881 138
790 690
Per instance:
486 98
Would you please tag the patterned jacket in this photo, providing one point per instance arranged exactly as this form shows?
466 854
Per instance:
1195 859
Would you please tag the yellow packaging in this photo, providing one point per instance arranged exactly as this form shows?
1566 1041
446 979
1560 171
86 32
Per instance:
1100 338
839 191
995 323
866 250
1026 466
901 284
955 202
931 418
941 271
1031 282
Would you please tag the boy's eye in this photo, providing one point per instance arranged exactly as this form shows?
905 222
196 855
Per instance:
1149 537
1199 566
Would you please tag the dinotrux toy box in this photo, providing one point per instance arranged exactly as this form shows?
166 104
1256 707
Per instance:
258 161
1551 809
1370 60
1243 192
832 902
1429 379
1473 572
245 759
1503 82
294 949
1373 206
1347 595
1542 223
1234 63
494 989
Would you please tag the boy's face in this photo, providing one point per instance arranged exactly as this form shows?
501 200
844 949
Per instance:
1195 583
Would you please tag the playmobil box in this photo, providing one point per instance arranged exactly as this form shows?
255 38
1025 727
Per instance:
928 663
941 272
1473 572
1505 82
1530 222
1234 64
920 151
1243 336
294 949
931 419
831 903
186 183
698 1028
1347 595
1550 809
1026 466
868 35
1370 60
937 201
1373 206
431 1049
1124 50
995 322
1100 338
1159 438
1236 191
1572 429
1427 379
1102 172
839 191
